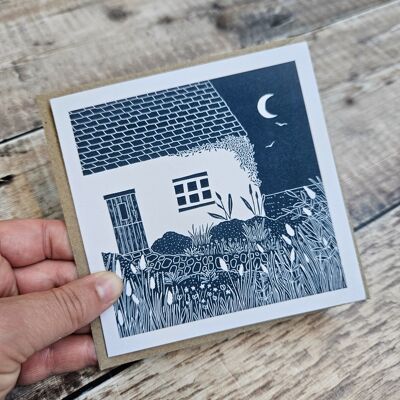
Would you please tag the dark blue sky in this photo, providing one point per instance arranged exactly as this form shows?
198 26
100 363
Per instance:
292 159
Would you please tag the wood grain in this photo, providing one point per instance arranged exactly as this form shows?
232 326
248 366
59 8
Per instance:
51 45
350 352
356 63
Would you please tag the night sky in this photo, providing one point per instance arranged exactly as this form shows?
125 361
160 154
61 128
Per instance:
292 159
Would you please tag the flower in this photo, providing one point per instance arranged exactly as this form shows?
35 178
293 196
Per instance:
128 289
186 289
118 269
202 286
133 268
203 301
194 296
264 268
292 255
228 291
169 297
286 239
152 283
135 299
289 230
259 248
179 296
241 270
209 294
193 288
214 297
209 285
222 264
120 317
142 263
307 211
311 194
215 289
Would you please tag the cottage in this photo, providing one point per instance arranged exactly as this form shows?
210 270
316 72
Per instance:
182 151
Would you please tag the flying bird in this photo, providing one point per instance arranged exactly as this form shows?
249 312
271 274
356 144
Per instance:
270 145
281 123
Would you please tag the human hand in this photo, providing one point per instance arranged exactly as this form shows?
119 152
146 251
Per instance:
44 309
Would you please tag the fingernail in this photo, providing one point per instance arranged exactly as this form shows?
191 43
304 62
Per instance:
108 286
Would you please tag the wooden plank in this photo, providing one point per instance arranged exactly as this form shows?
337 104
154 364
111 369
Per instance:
51 45
348 352
357 165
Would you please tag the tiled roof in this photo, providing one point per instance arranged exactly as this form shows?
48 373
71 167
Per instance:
152 125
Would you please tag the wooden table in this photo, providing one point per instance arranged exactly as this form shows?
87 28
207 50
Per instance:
348 352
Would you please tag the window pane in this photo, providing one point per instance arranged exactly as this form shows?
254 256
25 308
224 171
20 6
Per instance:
192 186
194 198
178 189
123 211
204 183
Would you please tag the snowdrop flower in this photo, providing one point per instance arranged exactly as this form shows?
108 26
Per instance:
241 270
292 255
307 211
142 263
264 268
169 297
286 239
259 248
311 194
133 268
118 269
135 299
120 317
289 230
152 283
222 264
128 289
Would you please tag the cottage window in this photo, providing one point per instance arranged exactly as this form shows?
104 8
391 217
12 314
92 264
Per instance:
192 191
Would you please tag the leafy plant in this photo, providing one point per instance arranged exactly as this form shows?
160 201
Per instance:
257 203
256 232
200 236
227 210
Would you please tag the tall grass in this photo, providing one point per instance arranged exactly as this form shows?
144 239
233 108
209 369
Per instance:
303 261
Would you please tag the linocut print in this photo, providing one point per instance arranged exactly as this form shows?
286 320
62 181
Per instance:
232 213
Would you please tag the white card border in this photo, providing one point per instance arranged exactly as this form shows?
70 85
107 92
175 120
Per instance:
299 53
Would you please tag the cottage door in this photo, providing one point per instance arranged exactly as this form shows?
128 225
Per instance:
127 222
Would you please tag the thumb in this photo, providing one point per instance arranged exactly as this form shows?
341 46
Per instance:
36 320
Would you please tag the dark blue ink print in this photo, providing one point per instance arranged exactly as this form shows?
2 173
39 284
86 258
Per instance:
242 220
192 191
127 223
153 125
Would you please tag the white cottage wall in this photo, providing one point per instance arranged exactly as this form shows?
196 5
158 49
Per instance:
157 200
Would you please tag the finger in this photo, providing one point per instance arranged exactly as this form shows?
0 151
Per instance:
26 242
45 275
67 355
84 329
33 321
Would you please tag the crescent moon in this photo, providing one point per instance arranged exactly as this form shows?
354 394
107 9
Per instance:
261 106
